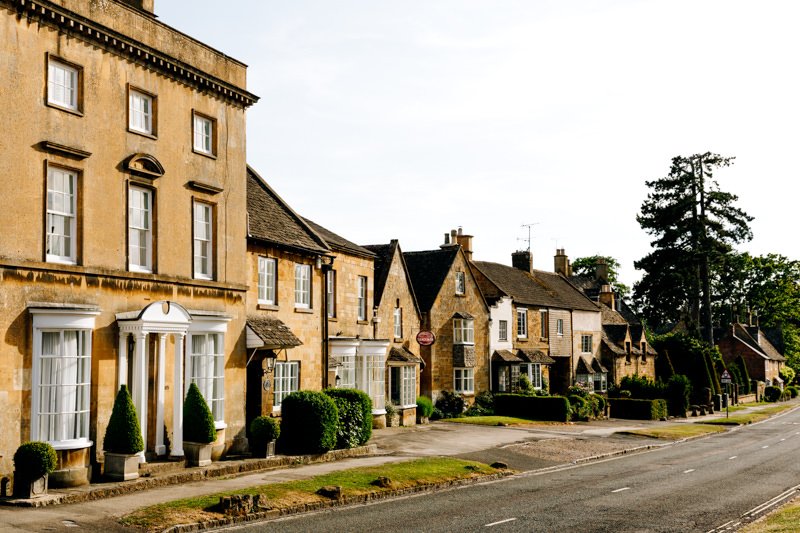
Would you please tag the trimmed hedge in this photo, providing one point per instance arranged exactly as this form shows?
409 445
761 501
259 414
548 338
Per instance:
746 387
553 408
309 423
198 422
793 391
34 459
450 404
632 409
355 416
123 434
679 389
424 406
772 393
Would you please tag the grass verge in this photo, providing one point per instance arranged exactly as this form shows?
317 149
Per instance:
354 482
784 520
752 417
495 420
675 431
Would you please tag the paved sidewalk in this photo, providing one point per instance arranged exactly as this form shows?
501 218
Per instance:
486 443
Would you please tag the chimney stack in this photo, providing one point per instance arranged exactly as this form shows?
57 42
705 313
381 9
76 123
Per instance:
561 263
601 269
466 243
523 260
607 296
142 5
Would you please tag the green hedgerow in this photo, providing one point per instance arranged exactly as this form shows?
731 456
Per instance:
772 393
34 459
123 434
355 417
309 422
198 422
424 406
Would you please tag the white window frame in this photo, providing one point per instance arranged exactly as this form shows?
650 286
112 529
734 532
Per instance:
534 373
267 280
362 298
203 235
206 369
60 322
140 224
62 205
464 380
603 380
502 330
463 331
330 288
461 283
141 112
286 381
522 323
347 371
63 85
302 286
397 318
203 134
586 341
560 327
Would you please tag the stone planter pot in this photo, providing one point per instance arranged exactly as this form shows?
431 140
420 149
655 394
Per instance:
30 489
264 449
121 466
197 454
422 420
392 421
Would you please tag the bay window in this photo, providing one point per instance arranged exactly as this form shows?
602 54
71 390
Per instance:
463 331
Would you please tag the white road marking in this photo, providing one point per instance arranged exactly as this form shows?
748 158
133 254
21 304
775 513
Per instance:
500 522
688 471
783 440
69 523
732 457
620 490
767 446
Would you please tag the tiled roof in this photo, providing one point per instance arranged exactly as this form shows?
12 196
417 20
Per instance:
337 242
757 341
402 355
428 270
272 332
272 221
535 356
609 316
505 356
598 367
583 367
540 288
383 262
611 345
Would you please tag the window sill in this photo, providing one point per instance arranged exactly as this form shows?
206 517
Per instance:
460 295
363 322
522 339
267 307
60 261
544 339
205 154
220 425
203 277
76 112
143 134
397 339
306 310
71 444
139 270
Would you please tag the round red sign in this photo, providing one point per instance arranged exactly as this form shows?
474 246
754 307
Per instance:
426 338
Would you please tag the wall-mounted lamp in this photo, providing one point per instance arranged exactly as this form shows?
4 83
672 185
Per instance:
270 357
338 380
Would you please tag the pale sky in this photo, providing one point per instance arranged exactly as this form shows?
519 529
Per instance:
406 119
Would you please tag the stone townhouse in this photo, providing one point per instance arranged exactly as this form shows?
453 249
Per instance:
287 269
762 359
356 355
397 318
624 349
453 309
123 211
555 328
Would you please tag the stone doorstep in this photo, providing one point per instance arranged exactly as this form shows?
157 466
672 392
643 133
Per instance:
98 491
317 506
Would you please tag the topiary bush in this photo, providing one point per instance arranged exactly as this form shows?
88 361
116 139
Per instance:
198 422
679 390
450 404
34 459
123 434
793 391
265 429
309 423
355 417
424 407
772 393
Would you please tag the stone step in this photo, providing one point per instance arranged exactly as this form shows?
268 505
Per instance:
162 466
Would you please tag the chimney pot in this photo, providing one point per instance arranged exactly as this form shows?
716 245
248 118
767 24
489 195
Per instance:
523 260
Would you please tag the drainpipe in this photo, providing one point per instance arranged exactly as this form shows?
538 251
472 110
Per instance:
325 268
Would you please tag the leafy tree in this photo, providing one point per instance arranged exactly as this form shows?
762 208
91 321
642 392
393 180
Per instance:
694 225
586 266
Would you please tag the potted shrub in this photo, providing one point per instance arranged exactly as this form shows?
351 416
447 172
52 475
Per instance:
123 440
33 462
392 415
424 409
198 428
264 431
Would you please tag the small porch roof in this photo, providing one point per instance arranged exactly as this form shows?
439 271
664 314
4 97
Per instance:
403 355
269 333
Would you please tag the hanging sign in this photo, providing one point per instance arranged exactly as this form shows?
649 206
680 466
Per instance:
426 338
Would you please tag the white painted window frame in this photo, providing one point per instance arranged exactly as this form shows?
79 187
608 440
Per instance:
140 112
63 89
203 247
143 229
267 280
287 381
302 286
464 380
522 323
463 331
67 241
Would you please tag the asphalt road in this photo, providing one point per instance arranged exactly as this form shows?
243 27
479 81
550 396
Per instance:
700 485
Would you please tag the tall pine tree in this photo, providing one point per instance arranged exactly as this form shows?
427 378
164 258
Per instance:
694 225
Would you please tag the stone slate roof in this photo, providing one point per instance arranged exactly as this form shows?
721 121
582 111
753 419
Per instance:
384 254
505 356
272 221
272 331
544 289
598 367
583 367
535 356
428 271
611 345
338 243
757 341
610 316
402 355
